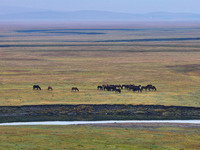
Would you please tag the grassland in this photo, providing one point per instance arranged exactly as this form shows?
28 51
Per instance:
129 137
167 57
67 56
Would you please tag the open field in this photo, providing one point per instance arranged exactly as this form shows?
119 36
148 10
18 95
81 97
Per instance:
113 136
64 57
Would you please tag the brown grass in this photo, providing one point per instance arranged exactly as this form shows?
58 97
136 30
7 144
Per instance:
173 67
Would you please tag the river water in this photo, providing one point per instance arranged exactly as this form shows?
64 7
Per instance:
98 122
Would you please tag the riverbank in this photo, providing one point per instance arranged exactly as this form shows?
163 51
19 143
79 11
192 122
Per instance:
96 112
114 123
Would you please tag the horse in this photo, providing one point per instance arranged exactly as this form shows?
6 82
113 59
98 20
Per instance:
50 88
75 89
153 88
118 91
136 88
127 86
99 87
149 86
131 87
36 87
119 86
104 86
112 87
109 88
144 87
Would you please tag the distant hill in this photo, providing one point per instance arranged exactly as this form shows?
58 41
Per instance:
20 14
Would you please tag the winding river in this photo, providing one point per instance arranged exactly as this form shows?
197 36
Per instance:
98 122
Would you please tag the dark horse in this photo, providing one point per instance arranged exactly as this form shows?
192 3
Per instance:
118 86
99 87
75 89
136 88
144 87
117 90
49 88
110 88
149 86
153 88
36 87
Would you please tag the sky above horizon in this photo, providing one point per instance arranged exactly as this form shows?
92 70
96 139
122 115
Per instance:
126 6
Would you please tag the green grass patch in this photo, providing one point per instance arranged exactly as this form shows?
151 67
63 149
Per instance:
89 137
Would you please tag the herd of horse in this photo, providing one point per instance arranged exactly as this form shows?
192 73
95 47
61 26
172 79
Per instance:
130 87
106 87
37 87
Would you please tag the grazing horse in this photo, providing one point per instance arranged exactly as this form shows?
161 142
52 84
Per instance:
36 87
105 86
136 88
119 86
75 89
131 87
144 87
108 88
149 86
118 91
99 87
112 87
153 88
50 88
128 86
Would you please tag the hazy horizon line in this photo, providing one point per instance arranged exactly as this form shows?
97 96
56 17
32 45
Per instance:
28 9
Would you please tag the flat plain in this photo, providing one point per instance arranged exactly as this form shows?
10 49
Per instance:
66 56
167 57
109 137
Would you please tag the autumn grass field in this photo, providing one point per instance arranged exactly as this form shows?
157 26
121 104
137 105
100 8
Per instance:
66 57
129 137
